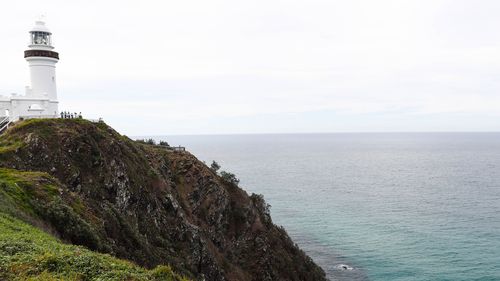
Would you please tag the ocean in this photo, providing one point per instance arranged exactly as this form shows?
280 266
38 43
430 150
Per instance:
375 206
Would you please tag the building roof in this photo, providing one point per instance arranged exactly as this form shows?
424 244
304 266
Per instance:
40 27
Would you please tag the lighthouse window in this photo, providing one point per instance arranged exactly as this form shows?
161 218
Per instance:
40 38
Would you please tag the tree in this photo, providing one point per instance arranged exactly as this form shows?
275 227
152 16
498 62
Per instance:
215 166
229 177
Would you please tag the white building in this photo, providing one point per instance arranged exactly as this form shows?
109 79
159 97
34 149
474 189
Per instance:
40 99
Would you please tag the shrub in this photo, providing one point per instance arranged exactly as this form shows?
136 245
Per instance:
229 177
70 225
215 166
162 272
164 143
262 206
147 141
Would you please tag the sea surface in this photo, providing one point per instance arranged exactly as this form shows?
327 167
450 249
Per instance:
388 206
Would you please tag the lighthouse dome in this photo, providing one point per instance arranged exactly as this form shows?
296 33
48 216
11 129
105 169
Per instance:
40 37
40 27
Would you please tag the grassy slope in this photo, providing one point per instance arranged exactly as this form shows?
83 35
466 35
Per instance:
27 253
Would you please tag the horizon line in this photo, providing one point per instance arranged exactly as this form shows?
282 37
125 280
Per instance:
321 133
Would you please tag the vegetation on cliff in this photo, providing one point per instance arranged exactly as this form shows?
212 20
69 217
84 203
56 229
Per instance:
90 186
27 253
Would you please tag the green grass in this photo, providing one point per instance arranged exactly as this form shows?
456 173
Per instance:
27 253
19 189
36 122
10 145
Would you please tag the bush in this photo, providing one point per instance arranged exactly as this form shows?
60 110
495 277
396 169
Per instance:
164 143
215 166
147 141
229 177
70 225
262 206
226 176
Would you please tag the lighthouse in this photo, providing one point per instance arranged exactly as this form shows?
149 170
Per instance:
42 63
40 99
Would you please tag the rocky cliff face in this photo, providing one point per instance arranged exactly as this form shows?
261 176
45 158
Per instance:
150 205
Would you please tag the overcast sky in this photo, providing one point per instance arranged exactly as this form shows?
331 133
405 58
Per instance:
267 66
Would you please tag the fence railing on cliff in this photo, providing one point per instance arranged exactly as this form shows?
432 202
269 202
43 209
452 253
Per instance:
177 148
4 123
174 148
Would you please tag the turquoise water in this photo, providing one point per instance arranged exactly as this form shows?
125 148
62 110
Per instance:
391 206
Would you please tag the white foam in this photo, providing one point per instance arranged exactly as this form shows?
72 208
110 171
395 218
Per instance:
343 267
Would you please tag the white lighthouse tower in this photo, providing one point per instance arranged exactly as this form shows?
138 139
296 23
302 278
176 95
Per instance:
42 62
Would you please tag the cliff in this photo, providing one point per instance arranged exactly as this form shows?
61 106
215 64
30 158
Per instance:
93 187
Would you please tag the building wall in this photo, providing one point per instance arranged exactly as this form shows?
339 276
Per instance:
24 107
43 76
4 106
